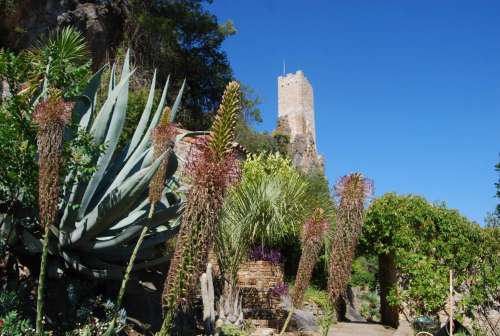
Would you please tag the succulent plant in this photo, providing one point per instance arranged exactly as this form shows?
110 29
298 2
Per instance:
99 218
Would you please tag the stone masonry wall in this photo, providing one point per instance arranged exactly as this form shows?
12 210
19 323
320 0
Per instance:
255 280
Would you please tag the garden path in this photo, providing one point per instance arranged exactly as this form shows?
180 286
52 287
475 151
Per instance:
368 329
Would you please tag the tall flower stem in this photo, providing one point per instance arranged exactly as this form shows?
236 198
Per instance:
312 234
211 171
51 116
41 284
353 190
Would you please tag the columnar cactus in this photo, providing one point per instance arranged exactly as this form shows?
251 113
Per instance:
212 169
353 191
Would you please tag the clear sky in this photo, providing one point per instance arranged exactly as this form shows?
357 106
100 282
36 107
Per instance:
406 92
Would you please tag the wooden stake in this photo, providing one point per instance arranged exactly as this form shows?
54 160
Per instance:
451 303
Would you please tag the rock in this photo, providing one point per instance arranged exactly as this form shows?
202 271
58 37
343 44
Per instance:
264 332
100 21
304 320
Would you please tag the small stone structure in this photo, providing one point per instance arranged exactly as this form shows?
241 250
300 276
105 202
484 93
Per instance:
256 279
296 119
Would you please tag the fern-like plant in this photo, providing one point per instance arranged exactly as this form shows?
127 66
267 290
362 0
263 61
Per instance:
212 170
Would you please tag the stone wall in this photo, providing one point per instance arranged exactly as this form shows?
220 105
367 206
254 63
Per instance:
255 280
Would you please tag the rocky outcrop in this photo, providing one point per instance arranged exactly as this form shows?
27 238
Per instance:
102 23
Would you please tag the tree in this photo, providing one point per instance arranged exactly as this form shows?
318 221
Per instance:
497 185
183 39
418 243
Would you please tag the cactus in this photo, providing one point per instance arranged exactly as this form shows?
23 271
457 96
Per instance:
100 218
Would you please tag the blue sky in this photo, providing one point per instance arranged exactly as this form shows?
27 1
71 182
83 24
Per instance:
406 92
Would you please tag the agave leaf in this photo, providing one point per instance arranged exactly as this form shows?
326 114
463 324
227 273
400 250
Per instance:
141 126
122 253
85 105
112 137
113 206
146 140
135 226
128 169
177 102
100 125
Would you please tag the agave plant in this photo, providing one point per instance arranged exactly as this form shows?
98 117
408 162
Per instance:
100 217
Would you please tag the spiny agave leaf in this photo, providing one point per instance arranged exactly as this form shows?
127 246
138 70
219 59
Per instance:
113 206
139 212
112 137
146 140
177 102
135 214
84 106
100 124
127 169
134 227
141 126
122 253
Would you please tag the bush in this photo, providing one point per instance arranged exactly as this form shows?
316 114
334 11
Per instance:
9 301
364 270
370 306
12 325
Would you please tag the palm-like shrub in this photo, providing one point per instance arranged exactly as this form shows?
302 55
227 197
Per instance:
352 191
212 169
265 208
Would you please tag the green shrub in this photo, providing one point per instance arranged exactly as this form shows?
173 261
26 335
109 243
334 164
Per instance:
364 270
9 301
370 306
13 325
231 330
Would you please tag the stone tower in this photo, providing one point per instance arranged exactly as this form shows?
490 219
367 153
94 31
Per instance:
296 119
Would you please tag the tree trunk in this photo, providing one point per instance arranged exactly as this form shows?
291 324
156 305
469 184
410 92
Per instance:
387 278
341 309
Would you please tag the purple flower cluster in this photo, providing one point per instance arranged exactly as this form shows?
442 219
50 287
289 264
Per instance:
262 253
280 289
